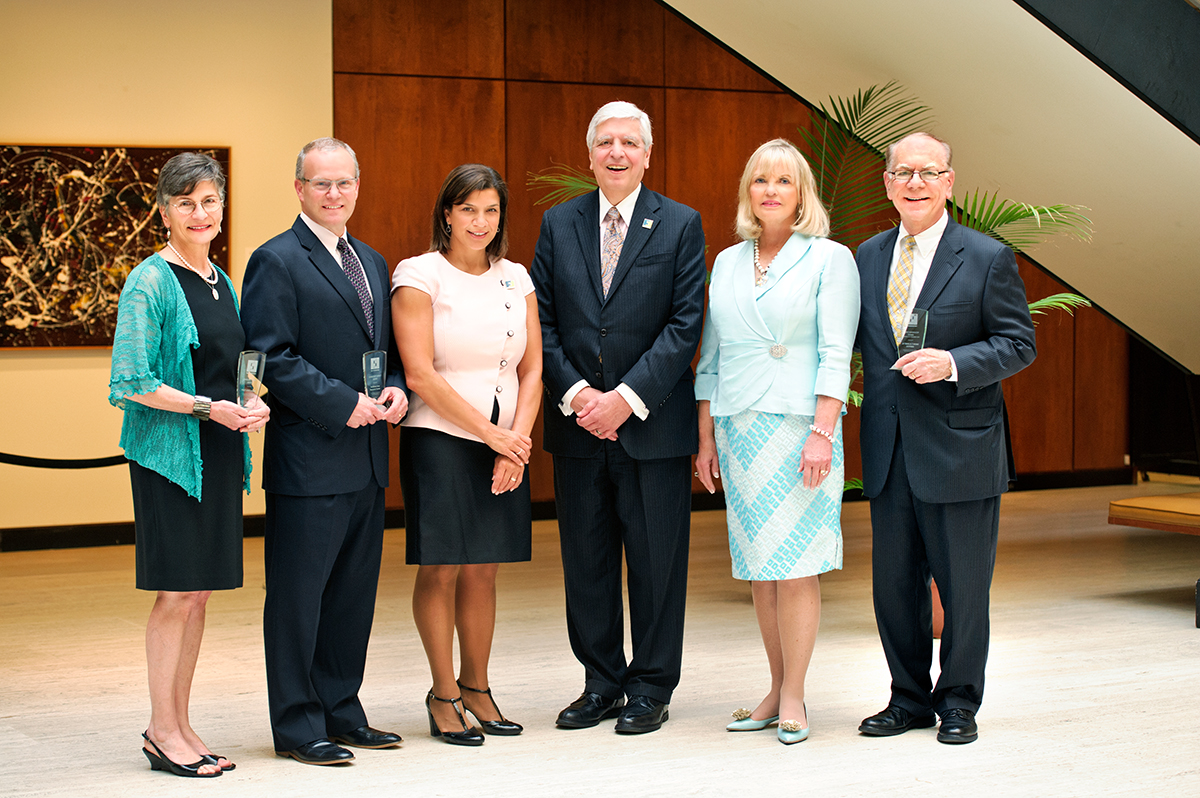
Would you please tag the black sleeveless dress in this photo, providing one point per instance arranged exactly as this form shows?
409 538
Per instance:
183 544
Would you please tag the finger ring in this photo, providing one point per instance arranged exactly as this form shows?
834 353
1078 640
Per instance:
695 473
824 471
512 479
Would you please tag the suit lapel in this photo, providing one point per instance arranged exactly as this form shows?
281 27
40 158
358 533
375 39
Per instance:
744 290
878 279
636 234
587 227
946 261
332 271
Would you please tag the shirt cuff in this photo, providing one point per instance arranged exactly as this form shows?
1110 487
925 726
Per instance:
635 402
569 396
953 369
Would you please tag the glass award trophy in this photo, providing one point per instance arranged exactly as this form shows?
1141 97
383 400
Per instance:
374 369
914 334
251 365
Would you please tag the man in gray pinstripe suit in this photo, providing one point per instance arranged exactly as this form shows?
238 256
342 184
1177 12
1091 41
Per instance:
934 442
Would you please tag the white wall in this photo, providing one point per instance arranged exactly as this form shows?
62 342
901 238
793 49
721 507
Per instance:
252 75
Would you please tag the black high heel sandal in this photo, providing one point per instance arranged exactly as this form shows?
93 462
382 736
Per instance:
469 734
504 726
159 761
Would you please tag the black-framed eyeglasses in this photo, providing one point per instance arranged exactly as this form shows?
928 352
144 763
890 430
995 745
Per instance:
928 175
322 185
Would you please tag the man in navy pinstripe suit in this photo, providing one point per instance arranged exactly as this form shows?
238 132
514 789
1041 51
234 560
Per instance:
619 275
934 443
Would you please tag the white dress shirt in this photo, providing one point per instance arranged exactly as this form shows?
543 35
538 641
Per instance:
329 240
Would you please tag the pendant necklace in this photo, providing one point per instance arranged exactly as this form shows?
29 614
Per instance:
212 284
760 271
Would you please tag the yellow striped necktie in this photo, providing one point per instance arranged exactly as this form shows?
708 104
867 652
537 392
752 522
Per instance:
899 286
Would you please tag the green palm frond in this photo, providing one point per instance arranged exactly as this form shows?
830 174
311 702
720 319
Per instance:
854 483
560 183
846 148
1065 302
1019 224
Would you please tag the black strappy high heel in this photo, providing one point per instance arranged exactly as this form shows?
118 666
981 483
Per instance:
469 734
159 761
504 726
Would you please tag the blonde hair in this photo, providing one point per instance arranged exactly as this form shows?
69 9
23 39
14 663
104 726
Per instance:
780 156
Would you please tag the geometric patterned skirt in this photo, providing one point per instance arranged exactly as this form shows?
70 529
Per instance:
778 529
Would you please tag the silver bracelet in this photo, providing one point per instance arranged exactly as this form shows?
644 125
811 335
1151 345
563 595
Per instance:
201 407
826 435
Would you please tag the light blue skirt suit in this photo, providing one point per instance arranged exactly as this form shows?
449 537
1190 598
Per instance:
768 351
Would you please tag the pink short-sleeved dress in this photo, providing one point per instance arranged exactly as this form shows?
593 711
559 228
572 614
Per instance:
479 337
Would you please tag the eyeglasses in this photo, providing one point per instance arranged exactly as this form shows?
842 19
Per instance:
187 207
927 175
321 185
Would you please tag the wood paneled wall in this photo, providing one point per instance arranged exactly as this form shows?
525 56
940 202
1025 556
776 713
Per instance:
513 85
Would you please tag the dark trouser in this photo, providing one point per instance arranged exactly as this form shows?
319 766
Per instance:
607 503
956 544
322 561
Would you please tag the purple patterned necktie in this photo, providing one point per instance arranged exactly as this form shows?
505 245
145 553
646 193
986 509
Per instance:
358 279
611 253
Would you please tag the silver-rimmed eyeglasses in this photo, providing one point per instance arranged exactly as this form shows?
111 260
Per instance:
322 184
187 207
928 175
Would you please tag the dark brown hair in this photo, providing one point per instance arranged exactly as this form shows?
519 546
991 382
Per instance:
462 182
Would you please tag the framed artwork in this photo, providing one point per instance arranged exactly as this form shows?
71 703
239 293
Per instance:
74 221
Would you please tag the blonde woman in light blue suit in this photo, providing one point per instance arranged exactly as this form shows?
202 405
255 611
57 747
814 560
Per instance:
771 384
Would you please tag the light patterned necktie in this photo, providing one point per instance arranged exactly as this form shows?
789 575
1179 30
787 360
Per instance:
611 253
899 286
358 279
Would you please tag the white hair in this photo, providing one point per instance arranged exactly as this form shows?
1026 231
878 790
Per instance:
619 109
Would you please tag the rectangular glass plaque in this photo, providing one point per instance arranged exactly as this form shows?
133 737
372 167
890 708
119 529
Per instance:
251 365
914 334
374 369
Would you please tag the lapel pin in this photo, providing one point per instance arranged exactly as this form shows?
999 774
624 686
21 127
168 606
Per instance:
508 284
647 223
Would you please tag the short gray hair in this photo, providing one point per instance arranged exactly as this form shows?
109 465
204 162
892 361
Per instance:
326 144
619 109
181 175
891 150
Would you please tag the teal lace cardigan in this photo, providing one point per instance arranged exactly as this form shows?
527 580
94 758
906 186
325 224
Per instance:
152 346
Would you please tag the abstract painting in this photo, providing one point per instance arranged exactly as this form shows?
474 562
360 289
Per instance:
73 222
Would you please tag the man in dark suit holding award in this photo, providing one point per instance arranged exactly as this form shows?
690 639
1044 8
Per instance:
934 443
619 275
315 300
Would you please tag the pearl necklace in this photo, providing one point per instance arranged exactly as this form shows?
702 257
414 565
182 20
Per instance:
212 284
760 271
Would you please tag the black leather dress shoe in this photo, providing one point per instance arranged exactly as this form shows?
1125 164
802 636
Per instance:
588 710
895 720
958 726
642 714
319 752
366 737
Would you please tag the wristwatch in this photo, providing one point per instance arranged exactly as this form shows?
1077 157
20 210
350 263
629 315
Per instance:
201 407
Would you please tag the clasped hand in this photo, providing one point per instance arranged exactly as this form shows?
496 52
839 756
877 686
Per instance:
250 418
391 406
601 413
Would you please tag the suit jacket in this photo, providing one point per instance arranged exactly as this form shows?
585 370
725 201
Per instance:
299 308
954 436
643 334
808 305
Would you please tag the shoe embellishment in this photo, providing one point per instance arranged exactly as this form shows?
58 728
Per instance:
741 713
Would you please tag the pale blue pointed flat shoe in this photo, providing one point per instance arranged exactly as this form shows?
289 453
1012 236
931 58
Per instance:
789 732
743 722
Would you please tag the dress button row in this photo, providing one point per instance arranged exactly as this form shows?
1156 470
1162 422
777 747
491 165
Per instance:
499 389
503 363
511 333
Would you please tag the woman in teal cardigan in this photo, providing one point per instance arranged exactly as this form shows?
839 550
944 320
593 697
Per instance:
772 379
175 354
